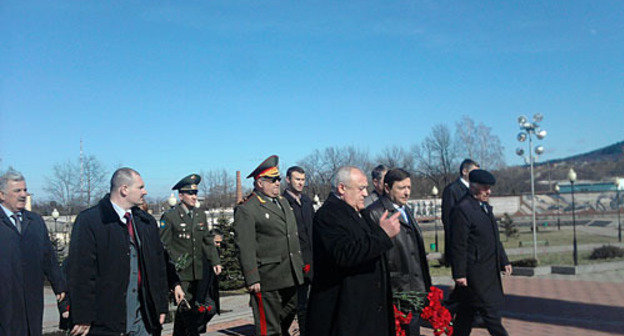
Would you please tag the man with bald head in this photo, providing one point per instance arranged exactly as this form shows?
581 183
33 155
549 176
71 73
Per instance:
351 289
117 272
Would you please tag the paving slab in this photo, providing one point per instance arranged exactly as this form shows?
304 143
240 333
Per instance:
553 304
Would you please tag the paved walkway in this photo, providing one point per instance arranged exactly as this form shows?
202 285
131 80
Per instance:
585 304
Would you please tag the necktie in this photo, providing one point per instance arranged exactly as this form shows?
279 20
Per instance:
128 218
277 203
18 222
404 214
484 207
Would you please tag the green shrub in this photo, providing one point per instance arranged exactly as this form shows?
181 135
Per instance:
528 262
607 252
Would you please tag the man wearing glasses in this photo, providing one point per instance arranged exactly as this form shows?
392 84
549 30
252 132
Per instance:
184 232
270 257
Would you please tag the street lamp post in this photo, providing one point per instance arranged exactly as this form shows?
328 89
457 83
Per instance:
619 185
55 215
172 201
528 129
434 192
558 209
572 178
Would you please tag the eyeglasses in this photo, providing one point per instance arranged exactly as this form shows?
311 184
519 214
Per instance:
189 192
272 179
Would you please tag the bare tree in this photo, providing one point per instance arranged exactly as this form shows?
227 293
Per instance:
435 158
94 180
218 188
478 143
64 184
321 165
396 157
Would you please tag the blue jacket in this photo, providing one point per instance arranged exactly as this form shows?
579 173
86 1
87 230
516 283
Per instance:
24 261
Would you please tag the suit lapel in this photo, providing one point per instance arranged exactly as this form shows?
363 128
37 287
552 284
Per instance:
7 221
25 221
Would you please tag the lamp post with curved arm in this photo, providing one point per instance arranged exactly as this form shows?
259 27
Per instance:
528 130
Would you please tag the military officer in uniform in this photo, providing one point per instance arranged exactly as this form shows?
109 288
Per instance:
270 257
186 236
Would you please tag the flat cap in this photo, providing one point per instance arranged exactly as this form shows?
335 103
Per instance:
267 168
188 183
482 176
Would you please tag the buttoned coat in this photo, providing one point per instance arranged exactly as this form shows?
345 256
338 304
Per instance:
99 270
451 195
26 258
407 259
478 254
350 292
268 241
187 233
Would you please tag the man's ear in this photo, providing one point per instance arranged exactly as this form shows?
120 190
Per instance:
386 188
342 188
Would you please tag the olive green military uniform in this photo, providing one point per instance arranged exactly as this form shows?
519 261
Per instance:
267 237
186 233
186 236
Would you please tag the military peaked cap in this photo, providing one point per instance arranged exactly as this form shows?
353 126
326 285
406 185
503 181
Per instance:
188 183
268 168
482 176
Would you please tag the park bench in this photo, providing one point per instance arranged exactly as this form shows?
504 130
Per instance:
530 243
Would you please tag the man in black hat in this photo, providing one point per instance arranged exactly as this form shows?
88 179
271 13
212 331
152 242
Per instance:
270 257
186 236
478 258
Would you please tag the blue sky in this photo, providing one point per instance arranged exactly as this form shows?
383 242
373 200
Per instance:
173 87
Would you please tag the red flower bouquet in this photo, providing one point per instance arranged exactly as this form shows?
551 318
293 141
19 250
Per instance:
438 316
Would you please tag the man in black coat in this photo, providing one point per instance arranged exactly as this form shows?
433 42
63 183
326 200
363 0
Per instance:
304 214
451 195
117 271
407 260
351 292
26 256
478 258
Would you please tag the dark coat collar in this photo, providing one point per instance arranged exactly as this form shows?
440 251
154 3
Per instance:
334 200
109 215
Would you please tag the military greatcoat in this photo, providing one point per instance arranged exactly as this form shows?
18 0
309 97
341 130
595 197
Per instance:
187 233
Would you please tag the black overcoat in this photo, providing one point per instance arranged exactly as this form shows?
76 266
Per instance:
407 260
350 292
25 258
304 214
451 195
478 254
99 269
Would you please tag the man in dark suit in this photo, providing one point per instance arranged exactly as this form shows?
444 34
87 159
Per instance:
407 260
26 256
351 292
478 258
117 271
270 257
451 195
304 213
